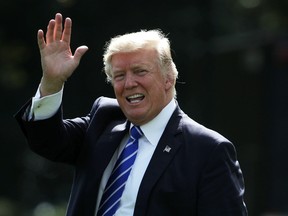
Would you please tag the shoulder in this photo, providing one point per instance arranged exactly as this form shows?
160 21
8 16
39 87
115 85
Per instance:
201 132
204 143
196 135
106 107
105 103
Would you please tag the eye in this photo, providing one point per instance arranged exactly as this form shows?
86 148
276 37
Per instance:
141 71
118 76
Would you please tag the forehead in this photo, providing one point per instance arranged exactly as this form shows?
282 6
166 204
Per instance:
134 58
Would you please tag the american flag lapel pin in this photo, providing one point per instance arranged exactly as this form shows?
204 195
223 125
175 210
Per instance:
167 149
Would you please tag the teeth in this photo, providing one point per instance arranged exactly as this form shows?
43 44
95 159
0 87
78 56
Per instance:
135 96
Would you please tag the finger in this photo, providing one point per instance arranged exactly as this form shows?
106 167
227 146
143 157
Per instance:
40 39
58 26
66 36
80 51
50 30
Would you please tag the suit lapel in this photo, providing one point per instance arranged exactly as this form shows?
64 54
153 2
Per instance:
107 145
164 153
100 156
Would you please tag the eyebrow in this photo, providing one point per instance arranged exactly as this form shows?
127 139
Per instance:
134 66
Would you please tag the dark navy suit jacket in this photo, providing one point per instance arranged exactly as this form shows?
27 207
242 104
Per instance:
199 176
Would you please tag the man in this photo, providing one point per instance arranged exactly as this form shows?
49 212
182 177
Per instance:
179 167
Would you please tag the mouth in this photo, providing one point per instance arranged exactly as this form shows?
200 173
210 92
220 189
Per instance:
136 98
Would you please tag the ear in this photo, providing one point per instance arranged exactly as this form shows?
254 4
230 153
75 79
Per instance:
169 82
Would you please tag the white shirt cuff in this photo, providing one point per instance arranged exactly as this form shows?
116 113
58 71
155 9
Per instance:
45 107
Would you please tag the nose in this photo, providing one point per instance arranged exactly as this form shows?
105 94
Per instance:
130 81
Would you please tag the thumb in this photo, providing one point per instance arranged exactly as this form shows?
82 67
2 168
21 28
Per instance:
79 52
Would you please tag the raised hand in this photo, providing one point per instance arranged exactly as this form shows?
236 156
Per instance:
57 60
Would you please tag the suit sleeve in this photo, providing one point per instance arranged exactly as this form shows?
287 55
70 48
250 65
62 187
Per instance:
221 188
54 138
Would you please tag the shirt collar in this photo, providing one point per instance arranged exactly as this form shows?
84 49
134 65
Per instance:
154 129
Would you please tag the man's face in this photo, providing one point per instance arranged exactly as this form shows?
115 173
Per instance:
142 91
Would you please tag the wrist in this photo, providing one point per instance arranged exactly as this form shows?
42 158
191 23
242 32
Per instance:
50 87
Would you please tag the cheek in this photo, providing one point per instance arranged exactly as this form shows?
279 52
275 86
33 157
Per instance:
158 86
117 89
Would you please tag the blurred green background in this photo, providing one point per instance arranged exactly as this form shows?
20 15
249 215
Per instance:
232 57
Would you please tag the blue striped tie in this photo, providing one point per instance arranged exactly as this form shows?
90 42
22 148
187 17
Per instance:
116 183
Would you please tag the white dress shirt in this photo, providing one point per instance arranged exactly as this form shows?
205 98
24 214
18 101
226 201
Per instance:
46 107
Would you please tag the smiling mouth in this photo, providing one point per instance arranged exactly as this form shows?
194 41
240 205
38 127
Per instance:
136 98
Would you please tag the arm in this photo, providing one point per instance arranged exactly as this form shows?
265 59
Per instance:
58 64
50 137
221 188
54 138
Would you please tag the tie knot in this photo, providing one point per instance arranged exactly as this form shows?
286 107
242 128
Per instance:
136 132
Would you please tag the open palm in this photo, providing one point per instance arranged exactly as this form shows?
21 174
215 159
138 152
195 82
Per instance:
58 62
